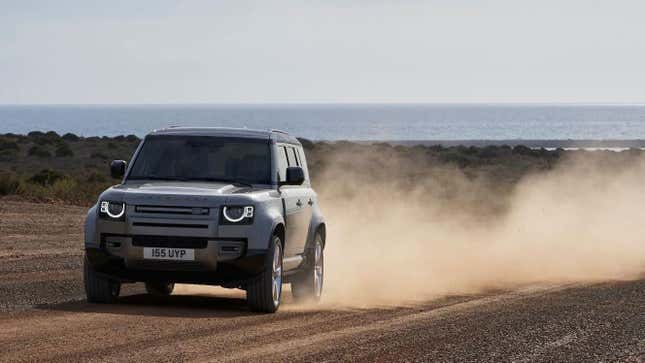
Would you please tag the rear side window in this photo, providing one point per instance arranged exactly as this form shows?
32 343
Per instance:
283 163
290 156
300 153
293 159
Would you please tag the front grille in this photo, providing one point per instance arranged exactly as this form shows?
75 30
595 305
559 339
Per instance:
162 265
169 241
171 210
169 225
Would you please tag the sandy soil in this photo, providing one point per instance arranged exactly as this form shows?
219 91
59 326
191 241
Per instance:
43 316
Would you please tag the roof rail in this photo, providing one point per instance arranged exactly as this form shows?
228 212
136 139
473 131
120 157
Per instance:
279 131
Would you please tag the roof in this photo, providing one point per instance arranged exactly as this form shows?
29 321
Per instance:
276 135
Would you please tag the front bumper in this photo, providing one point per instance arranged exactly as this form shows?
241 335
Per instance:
223 254
119 258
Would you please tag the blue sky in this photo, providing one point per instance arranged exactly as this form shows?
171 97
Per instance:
322 51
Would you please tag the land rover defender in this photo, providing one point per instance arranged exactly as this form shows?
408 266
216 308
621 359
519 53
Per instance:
215 206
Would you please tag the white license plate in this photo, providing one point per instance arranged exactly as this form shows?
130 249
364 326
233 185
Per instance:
163 253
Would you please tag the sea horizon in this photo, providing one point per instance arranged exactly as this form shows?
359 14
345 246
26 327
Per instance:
345 121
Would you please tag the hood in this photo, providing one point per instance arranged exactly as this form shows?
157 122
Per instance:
176 193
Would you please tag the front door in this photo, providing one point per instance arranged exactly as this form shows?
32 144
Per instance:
298 216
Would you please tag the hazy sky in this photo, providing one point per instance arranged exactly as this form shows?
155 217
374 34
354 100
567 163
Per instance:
322 51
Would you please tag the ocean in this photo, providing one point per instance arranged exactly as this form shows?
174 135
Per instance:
344 121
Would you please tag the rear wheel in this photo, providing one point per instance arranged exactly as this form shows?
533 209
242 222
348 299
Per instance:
263 293
160 288
308 284
98 288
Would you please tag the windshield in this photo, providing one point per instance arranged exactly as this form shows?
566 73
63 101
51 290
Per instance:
205 158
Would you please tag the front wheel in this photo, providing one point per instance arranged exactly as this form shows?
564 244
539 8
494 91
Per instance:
98 288
264 292
308 284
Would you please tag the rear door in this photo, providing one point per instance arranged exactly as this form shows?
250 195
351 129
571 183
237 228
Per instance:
308 196
297 208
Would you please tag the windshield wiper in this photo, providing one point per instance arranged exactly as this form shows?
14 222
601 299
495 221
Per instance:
224 180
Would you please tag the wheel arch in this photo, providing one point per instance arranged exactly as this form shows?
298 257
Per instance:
317 225
322 229
89 230
280 231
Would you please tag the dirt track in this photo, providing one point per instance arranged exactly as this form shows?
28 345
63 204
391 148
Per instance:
44 317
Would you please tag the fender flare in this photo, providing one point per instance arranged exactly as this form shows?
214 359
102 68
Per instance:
279 226
317 224
90 237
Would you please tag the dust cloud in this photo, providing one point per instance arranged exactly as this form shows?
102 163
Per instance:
403 229
396 235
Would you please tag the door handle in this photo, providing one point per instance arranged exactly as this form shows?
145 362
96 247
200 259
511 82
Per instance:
299 203
311 202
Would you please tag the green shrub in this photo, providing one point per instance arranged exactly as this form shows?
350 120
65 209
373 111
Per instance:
8 155
39 151
8 148
77 192
471 150
46 177
8 145
490 152
522 150
99 155
8 184
67 189
63 150
42 141
70 137
33 191
40 138
456 156
96 177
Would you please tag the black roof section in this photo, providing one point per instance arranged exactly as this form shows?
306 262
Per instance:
276 135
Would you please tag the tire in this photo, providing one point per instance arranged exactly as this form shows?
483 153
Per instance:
308 284
263 293
98 288
160 288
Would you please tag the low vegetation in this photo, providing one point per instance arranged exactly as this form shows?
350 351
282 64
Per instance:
46 166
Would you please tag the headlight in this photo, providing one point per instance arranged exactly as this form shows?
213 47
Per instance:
237 214
112 210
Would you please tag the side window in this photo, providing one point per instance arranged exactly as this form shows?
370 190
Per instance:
283 163
290 156
293 159
300 153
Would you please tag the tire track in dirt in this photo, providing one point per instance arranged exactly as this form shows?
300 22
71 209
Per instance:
123 333
44 317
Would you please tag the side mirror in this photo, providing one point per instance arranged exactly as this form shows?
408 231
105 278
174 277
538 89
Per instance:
295 176
117 168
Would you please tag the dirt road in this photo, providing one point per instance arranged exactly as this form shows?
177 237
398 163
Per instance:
44 318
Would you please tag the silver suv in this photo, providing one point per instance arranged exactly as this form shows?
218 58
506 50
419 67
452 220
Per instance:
215 206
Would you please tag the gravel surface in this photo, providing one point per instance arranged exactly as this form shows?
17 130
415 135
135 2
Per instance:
43 316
